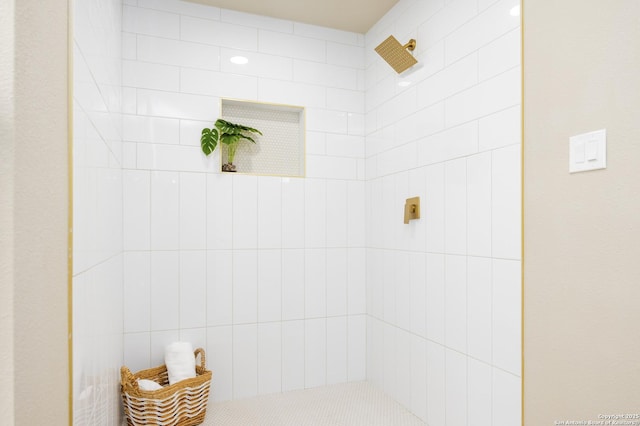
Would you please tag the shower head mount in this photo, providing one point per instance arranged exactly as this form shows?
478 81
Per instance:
397 55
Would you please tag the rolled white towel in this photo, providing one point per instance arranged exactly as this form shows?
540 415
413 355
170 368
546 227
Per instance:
149 385
180 361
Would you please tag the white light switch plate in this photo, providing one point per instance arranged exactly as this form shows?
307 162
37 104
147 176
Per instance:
588 151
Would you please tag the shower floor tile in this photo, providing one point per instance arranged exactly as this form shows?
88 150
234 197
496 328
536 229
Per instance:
349 404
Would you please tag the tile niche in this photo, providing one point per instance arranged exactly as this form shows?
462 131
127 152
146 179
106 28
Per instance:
280 150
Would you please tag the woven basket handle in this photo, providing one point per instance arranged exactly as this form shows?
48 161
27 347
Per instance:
127 378
202 357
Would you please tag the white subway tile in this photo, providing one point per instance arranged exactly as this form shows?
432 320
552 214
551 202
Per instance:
175 52
191 131
129 155
419 377
452 143
453 15
336 213
357 347
292 46
319 166
174 158
455 208
456 388
336 350
214 83
245 212
291 93
315 213
488 97
219 212
500 129
193 289
479 392
197 337
403 367
150 76
137 128
436 297
220 360
356 226
219 287
456 302
500 55
129 100
486 27
176 105
293 213
325 74
193 211
269 285
389 366
356 281
245 361
345 55
434 207
375 349
315 292
245 286
218 33
293 355
479 305
436 384
165 290
506 396
269 358
182 8
403 290
479 205
341 145
258 65
258 21
129 50
165 211
345 100
137 291
425 122
506 208
418 293
507 318
315 351
451 80
150 22
269 212
336 281
137 351
330 34
137 210
329 121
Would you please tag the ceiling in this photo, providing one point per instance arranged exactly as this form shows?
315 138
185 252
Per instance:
349 15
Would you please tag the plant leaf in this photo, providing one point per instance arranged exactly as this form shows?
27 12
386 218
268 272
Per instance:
209 140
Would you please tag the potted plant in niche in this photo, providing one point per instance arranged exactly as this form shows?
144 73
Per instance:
229 134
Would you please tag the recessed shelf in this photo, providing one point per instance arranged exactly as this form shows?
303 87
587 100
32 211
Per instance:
280 151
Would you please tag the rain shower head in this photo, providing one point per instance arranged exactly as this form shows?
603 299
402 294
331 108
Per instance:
396 54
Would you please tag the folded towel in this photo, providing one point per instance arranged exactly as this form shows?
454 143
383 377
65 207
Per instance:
148 385
180 361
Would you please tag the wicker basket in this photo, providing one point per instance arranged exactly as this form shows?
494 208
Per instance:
181 404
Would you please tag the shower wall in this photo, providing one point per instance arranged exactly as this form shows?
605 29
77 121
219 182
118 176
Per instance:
266 273
97 211
443 292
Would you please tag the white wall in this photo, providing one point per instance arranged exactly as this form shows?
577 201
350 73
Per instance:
266 273
97 211
443 292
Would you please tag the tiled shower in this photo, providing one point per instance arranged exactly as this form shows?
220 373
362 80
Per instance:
291 283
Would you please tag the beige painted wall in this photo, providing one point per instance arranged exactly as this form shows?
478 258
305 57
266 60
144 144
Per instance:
582 231
33 212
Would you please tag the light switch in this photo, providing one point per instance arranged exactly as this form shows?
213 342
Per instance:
588 151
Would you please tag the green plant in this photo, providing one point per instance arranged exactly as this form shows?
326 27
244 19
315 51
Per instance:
227 133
